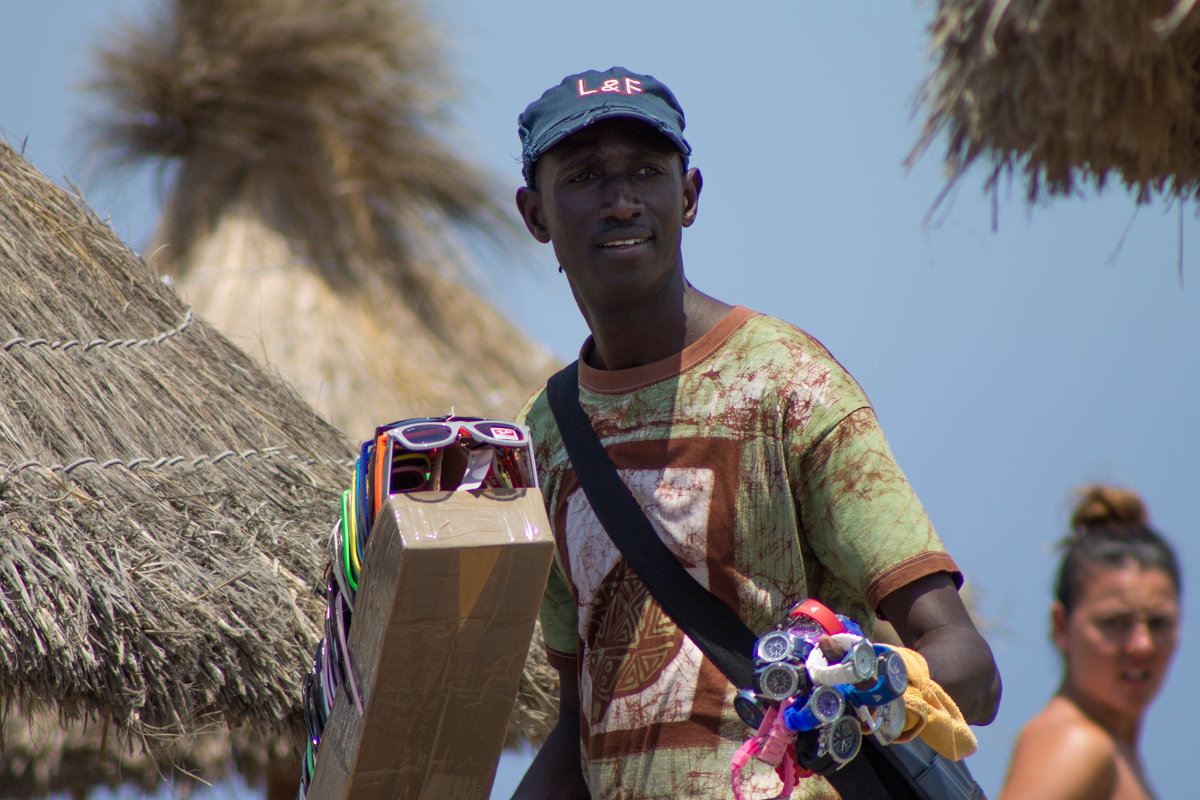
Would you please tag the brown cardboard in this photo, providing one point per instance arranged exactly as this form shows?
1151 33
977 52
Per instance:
441 626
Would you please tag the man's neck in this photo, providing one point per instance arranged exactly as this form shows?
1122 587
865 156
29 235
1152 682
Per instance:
644 334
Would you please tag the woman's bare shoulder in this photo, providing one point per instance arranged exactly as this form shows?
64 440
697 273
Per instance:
1060 754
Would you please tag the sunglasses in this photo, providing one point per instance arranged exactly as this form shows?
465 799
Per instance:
408 456
337 565
430 434
351 556
337 634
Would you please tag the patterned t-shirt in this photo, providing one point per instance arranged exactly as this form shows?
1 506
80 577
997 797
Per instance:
760 463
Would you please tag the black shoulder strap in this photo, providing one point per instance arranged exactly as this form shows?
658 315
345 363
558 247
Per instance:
715 629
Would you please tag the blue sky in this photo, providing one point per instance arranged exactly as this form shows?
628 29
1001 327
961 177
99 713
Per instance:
1007 366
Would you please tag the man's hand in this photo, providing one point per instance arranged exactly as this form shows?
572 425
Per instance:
929 616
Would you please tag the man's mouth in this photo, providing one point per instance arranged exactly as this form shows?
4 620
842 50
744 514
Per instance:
624 241
618 243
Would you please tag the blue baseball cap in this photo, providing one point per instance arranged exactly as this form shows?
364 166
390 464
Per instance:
588 97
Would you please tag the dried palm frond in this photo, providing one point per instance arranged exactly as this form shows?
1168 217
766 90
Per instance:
328 119
318 202
1068 93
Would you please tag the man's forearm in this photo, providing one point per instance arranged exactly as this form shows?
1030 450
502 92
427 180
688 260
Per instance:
961 662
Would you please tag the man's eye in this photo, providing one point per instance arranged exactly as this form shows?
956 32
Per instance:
581 177
648 171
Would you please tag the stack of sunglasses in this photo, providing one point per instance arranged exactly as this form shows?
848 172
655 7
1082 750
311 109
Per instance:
413 455
810 715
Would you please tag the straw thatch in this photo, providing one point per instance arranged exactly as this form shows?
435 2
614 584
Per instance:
164 505
1069 93
319 212
163 499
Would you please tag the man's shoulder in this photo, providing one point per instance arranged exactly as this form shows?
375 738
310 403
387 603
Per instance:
769 333
765 345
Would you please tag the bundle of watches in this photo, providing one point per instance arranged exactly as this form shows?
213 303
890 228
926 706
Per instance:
426 454
809 715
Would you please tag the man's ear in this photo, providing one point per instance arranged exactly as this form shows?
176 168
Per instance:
693 182
529 204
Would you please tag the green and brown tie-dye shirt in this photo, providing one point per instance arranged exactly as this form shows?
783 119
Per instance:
761 465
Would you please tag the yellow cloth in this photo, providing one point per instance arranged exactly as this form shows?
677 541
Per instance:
931 713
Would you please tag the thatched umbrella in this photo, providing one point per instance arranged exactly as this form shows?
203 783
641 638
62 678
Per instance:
163 499
1069 93
165 504
319 213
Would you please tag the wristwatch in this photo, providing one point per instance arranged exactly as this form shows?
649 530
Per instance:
750 707
891 718
773 646
856 666
842 739
780 680
893 680
825 705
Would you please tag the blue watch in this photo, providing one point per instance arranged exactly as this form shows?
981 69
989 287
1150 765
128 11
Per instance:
825 705
893 680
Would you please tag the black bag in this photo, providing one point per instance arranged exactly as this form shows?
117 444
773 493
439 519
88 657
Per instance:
900 771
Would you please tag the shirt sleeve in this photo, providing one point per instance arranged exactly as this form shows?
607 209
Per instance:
560 621
861 518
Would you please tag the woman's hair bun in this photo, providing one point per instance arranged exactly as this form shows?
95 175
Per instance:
1110 527
1107 506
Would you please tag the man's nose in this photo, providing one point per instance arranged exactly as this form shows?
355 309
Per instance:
621 198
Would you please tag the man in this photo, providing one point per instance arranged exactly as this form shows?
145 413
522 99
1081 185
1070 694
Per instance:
757 458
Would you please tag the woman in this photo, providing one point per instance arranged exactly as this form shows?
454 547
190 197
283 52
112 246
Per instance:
1116 621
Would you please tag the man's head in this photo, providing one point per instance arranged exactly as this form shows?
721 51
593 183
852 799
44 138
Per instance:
584 99
608 186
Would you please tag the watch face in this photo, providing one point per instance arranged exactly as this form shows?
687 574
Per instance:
750 707
844 739
864 660
778 681
807 628
895 672
892 717
826 704
773 646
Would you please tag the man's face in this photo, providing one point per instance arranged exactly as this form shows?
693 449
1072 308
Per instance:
613 200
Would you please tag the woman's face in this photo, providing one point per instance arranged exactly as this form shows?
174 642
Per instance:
1119 638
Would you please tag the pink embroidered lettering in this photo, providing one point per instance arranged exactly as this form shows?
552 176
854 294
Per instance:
610 86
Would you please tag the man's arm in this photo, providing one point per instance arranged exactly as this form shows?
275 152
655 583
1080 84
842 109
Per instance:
556 771
929 616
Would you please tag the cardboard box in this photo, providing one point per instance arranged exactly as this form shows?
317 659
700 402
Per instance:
451 585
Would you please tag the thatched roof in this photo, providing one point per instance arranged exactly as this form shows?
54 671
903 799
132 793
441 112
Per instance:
163 499
165 502
1067 93
320 212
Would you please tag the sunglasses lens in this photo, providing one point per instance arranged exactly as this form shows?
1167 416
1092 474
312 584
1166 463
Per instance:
426 434
499 432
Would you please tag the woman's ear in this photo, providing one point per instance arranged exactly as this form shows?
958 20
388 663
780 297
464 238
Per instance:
1058 626
529 204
